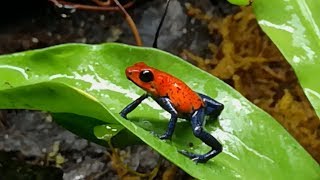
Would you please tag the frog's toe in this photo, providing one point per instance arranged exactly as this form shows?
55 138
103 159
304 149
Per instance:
165 136
200 159
197 158
123 115
188 154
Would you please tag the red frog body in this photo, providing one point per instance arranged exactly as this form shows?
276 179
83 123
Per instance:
182 97
176 97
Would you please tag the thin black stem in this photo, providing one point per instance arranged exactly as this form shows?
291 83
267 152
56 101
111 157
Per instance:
155 42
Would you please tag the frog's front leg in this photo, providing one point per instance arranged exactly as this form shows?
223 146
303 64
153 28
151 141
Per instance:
132 105
197 119
167 105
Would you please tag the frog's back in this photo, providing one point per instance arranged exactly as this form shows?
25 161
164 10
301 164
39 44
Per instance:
183 98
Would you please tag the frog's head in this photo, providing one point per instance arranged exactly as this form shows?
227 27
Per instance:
142 75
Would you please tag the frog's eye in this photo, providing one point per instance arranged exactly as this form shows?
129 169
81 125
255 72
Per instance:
146 76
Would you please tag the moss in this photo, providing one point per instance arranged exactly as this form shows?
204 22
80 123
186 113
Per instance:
248 60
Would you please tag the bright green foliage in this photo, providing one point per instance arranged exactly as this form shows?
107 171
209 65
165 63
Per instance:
294 26
89 81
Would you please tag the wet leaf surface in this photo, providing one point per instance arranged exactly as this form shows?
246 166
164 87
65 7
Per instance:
107 131
89 80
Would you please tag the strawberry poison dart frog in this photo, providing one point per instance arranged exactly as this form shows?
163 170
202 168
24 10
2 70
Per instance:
180 101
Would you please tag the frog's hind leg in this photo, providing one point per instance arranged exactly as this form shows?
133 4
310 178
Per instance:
212 107
207 138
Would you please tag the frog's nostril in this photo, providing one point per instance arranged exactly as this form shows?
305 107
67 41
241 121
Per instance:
128 72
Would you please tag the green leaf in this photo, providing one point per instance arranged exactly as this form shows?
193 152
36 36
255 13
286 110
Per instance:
47 95
294 26
107 131
83 127
89 80
91 129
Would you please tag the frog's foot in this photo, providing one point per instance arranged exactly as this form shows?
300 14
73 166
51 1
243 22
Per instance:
188 154
199 158
162 137
165 136
122 114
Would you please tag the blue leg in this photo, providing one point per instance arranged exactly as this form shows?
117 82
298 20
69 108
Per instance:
165 103
132 106
212 107
197 123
